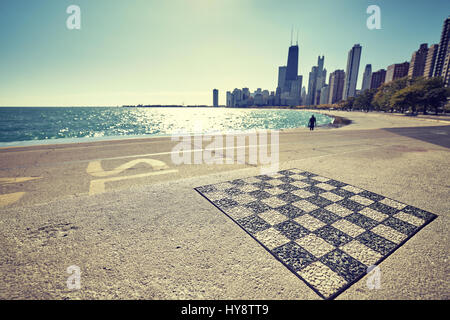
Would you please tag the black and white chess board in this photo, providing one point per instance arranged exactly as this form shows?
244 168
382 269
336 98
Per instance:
325 231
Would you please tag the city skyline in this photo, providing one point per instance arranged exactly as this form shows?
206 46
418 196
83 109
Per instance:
45 64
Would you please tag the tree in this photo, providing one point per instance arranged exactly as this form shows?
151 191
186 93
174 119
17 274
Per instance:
436 97
406 98
382 99
364 100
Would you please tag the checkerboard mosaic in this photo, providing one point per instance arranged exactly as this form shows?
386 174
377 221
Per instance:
325 231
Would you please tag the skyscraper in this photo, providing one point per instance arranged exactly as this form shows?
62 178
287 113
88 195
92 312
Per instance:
367 77
336 86
281 77
316 81
351 75
377 79
418 60
397 71
431 61
443 48
445 74
292 64
215 98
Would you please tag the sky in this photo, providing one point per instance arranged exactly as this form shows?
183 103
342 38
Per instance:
178 51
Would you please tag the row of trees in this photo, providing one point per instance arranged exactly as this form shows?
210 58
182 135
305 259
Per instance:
403 95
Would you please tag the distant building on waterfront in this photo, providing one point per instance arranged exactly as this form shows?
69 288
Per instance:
443 49
367 77
316 81
289 87
324 94
336 86
397 71
378 79
445 74
430 62
215 98
351 75
418 61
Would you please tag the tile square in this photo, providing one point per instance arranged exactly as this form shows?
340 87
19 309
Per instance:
287 179
314 190
320 179
361 220
331 196
288 187
294 256
291 230
243 198
343 193
290 211
275 182
206 189
350 204
247 188
273 217
274 191
300 184
373 214
260 194
371 195
239 212
306 206
325 216
352 189
309 222
325 186
251 180
376 242
287 172
409 218
233 191
389 233
288 197
419 213
339 210
271 238
297 177
273 202
257 206
319 201
362 200
349 228
264 177
333 236
302 194
225 203
393 204
217 195
400 225
238 182
383 208
253 224
337 184
315 245
344 265
321 277
361 253
262 185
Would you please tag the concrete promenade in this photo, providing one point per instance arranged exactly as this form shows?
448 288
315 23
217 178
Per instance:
129 218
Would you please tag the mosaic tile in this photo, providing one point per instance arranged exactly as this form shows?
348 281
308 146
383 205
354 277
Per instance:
325 231
315 245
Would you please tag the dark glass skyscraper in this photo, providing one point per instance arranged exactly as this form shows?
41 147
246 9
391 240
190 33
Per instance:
292 64
443 47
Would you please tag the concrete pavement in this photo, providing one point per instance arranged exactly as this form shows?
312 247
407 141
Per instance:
151 236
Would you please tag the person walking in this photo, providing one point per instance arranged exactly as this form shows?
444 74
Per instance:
312 123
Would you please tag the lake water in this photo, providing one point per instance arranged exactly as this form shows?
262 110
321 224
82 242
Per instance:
50 125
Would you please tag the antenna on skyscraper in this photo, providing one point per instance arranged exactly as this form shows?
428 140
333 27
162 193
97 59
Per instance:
292 32
297 37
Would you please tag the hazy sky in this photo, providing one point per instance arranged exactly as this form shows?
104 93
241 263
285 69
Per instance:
177 51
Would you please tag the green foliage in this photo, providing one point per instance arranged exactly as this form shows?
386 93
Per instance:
364 100
382 99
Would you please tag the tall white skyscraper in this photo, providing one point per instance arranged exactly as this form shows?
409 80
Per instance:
351 76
